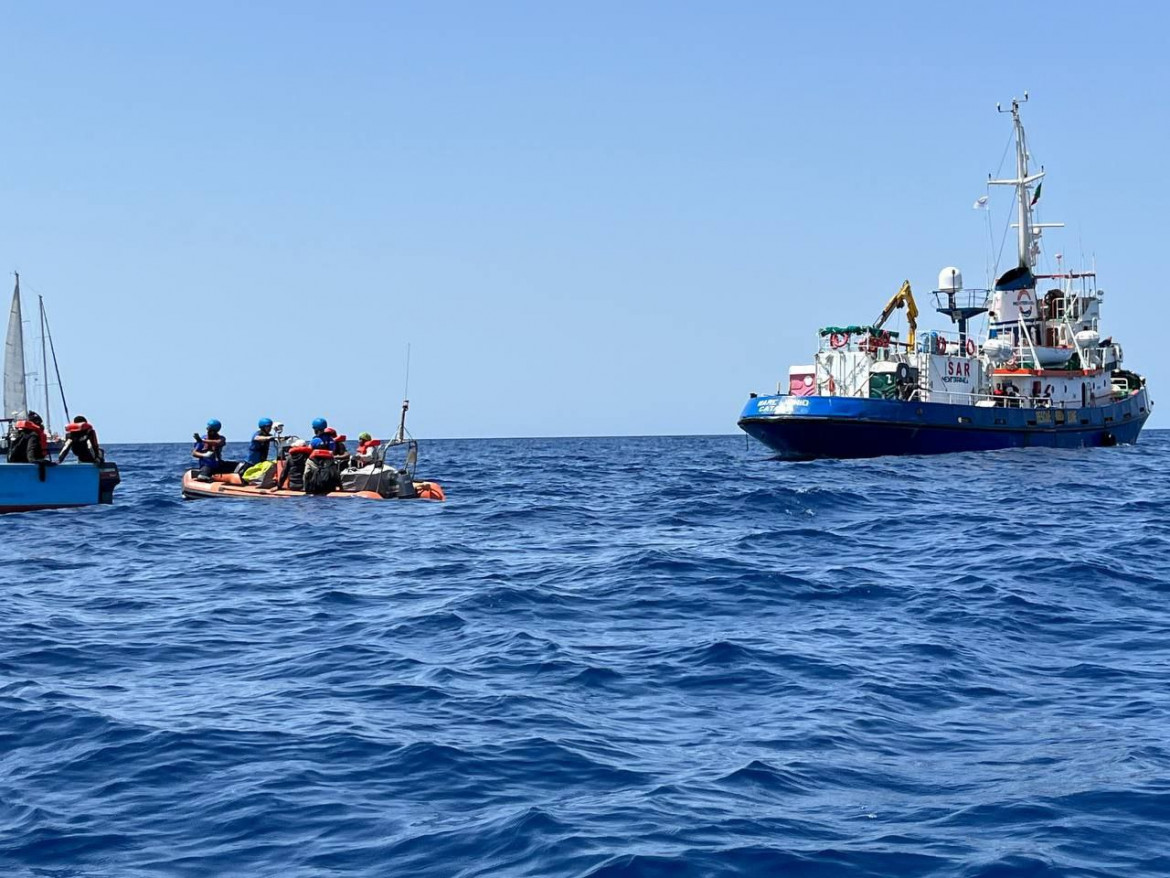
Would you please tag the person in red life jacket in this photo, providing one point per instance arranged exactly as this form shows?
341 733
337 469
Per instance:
340 452
292 475
208 451
365 449
81 439
29 443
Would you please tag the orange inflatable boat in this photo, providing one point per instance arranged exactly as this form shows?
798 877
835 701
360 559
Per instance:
232 485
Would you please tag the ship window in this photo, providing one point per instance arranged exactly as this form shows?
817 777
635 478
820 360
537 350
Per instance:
963 420
1128 415
1059 416
1108 419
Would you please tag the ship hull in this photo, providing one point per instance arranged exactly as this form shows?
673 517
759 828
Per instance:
846 427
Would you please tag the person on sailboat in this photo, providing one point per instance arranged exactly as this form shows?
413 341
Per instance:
81 439
208 451
262 439
30 443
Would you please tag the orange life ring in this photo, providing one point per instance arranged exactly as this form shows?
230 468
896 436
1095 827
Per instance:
839 339
832 386
970 348
940 344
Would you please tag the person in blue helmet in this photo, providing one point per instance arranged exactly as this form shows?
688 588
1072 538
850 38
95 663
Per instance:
208 451
262 440
321 472
322 438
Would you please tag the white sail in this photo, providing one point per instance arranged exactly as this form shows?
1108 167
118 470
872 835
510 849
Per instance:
15 402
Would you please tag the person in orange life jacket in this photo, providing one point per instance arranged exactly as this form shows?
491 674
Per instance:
208 451
293 474
29 444
365 449
261 440
81 439
340 452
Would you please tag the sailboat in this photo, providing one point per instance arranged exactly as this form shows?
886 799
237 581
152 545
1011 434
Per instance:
42 484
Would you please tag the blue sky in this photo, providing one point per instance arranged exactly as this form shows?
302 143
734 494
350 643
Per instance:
605 218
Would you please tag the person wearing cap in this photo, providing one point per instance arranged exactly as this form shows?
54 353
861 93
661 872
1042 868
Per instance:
365 449
208 451
81 439
340 452
262 440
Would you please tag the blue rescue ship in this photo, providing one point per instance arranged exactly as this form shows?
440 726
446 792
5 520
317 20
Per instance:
1042 374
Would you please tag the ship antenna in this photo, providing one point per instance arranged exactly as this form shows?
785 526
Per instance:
400 436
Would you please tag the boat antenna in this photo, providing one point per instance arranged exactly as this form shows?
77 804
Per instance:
400 436
53 353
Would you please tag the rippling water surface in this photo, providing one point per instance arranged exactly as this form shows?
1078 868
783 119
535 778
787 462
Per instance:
601 657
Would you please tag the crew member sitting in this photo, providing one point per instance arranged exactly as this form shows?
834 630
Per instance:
365 449
208 451
340 452
29 443
81 439
293 474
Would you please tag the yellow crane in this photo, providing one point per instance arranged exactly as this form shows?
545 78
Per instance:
902 298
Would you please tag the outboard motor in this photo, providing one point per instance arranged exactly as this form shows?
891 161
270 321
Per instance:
405 486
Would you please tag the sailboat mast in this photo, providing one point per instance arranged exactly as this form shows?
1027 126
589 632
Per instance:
56 368
15 400
45 368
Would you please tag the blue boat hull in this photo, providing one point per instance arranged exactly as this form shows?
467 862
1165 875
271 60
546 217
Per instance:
843 427
28 486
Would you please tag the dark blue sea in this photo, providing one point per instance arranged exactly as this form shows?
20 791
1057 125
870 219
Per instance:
601 657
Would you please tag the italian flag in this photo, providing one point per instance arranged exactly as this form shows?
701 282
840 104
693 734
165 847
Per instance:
1036 195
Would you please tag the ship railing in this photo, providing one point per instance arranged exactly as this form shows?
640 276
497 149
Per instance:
996 401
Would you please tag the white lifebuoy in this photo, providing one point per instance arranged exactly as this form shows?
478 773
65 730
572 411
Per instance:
1022 299
970 348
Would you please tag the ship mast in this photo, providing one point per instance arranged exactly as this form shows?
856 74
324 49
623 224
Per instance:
1026 242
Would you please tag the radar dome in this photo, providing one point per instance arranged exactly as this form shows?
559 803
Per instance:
950 280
